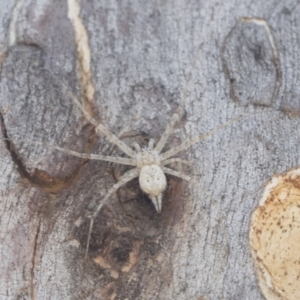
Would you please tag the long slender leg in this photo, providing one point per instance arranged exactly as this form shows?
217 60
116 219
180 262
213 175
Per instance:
162 142
197 139
124 179
118 160
99 127
175 173
179 160
160 145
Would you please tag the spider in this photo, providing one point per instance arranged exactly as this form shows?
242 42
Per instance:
149 162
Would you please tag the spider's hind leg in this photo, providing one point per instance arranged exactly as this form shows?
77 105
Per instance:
123 180
176 173
181 161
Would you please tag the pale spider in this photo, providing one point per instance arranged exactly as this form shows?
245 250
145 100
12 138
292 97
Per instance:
150 163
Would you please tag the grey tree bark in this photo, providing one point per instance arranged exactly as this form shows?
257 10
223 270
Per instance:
128 62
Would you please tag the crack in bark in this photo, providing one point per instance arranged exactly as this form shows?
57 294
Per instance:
83 55
33 264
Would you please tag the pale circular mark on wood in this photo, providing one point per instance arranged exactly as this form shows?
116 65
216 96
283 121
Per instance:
275 237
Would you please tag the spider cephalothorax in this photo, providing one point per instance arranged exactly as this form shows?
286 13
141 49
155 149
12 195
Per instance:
146 156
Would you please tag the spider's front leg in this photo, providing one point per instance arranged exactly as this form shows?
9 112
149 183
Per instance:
98 126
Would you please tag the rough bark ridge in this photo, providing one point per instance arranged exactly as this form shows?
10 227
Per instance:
128 62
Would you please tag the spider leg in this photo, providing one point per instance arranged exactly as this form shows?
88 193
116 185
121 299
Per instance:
175 173
197 139
98 126
181 161
161 143
118 160
124 179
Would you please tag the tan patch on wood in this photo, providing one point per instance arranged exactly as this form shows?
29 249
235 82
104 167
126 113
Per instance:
275 237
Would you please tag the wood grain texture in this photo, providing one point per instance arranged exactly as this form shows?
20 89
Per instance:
128 62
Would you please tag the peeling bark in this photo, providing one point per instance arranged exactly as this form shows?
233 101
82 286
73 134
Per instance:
128 63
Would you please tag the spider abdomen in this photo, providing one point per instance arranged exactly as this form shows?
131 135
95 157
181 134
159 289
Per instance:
152 180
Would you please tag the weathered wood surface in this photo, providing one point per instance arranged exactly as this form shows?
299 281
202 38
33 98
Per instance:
128 62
